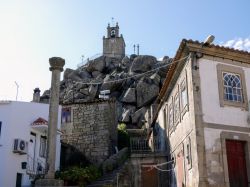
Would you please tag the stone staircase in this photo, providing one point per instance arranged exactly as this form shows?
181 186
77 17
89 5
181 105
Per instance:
111 179
107 180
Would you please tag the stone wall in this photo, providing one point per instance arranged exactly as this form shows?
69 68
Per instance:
92 129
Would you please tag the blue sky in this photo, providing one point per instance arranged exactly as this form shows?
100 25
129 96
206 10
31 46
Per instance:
33 31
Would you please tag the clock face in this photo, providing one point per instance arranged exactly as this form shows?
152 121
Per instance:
112 34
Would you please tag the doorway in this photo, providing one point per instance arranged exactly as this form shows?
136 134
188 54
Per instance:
149 176
236 159
18 179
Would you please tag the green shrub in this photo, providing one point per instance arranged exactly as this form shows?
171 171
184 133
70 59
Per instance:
123 137
79 176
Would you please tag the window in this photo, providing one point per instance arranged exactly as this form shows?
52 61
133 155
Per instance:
42 151
232 86
176 108
171 116
66 115
184 98
165 114
189 156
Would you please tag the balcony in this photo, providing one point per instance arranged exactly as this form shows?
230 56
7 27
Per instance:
143 145
35 167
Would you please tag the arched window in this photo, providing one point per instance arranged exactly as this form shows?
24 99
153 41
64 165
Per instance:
232 87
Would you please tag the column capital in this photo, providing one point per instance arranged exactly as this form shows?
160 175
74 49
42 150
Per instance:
56 63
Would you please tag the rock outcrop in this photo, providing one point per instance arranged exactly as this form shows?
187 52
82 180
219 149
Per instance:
134 81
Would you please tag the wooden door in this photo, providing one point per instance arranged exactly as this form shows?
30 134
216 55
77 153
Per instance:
236 160
149 176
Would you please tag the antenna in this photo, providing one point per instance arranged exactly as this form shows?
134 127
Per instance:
138 47
82 57
17 86
134 48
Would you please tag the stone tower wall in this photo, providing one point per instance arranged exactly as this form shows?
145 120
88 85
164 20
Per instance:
92 129
114 47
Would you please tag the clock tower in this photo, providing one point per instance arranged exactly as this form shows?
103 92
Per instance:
113 44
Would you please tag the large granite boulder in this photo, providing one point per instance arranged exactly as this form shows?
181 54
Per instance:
67 72
143 63
93 88
74 76
146 92
129 96
97 64
126 114
84 74
125 60
155 78
139 116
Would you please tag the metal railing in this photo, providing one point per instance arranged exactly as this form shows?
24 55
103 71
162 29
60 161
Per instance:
143 145
35 166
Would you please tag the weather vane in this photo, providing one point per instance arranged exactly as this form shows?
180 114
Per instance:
112 21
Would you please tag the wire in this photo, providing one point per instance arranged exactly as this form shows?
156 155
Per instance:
136 75
156 166
163 170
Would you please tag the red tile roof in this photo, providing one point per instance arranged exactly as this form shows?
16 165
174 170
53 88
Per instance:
39 121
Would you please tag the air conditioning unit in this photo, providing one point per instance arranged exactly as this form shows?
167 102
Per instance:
20 146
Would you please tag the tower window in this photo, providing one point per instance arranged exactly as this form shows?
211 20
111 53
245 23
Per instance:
112 34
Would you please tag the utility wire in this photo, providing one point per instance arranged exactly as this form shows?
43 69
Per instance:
136 75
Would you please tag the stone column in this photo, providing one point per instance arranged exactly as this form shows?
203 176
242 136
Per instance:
56 66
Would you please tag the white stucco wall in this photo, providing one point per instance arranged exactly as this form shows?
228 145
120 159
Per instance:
184 130
16 119
212 111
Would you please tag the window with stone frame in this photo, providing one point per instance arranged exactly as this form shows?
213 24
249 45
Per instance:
66 115
171 115
232 86
184 96
43 146
189 154
176 108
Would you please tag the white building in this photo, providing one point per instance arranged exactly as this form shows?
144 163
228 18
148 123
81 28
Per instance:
204 111
23 130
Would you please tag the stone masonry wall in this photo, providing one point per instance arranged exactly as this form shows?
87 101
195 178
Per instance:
92 129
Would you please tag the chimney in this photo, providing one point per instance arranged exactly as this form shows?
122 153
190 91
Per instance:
36 95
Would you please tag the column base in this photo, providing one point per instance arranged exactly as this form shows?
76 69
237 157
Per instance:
49 182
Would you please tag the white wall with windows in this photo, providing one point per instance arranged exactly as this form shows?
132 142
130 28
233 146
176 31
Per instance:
231 108
16 118
177 117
